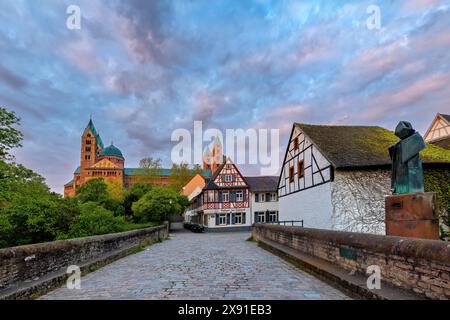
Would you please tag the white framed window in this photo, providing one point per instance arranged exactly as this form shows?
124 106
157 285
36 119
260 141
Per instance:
260 217
262 197
228 178
274 196
222 219
239 196
238 218
273 216
225 197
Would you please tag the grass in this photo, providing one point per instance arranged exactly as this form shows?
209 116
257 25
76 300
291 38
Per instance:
251 239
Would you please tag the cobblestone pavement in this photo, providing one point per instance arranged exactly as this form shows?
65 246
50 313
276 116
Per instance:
200 266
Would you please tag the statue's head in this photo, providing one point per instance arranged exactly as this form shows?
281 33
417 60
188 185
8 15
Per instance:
404 129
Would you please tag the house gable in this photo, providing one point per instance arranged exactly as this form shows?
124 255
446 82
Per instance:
227 176
304 165
439 129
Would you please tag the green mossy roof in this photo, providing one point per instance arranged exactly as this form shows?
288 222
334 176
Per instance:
111 151
361 146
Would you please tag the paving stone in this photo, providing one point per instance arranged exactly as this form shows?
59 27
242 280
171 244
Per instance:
200 266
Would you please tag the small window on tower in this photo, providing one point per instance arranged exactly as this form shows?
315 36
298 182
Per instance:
88 149
88 141
291 174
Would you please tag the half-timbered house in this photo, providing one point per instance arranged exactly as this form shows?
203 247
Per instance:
439 131
224 204
337 177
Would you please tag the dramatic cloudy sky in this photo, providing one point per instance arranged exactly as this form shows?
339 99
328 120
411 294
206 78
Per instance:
145 68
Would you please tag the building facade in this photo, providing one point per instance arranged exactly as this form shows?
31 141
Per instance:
97 161
439 131
337 177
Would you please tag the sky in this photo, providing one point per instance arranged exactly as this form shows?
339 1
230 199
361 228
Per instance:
146 68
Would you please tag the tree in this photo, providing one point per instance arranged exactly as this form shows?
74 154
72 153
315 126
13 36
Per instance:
9 136
157 205
133 194
180 175
151 169
95 190
94 220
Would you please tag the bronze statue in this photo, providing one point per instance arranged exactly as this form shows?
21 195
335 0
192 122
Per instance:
407 172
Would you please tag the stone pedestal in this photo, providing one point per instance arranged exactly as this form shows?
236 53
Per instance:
413 215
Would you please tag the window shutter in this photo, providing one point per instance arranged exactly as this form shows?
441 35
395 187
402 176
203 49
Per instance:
268 197
217 219
232 196
267 216
256 198
228 218
244 196
233 177
243 217
220 196
232 218
256 217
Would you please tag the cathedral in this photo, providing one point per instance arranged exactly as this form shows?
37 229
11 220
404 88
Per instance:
98 161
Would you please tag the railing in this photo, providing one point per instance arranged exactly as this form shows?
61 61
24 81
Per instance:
293 223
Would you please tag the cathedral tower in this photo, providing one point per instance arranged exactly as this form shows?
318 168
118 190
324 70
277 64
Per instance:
91 146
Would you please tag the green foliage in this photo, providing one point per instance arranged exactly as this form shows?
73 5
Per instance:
438 180
157 205
151 170
9 136
95 190
180 175
133 194
94 220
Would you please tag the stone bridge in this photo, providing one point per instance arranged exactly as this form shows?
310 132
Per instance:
285 263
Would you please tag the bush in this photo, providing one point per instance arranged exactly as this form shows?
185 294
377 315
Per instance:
94 220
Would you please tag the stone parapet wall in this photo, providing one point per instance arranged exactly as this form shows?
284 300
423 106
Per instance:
26 264
415 265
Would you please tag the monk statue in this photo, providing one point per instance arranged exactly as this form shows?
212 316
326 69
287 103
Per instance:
407 172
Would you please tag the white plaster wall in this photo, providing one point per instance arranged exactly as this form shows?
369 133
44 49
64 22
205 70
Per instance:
358 200
262 206
311 205
212 219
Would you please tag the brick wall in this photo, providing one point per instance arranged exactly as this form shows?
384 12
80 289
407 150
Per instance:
420 266
25 264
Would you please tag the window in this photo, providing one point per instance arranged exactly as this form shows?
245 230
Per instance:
222 219
87 157
268 197
273 216
239 196
260 217
228 178
291 174
256 197
210 196
263 197
301 168
274 196
296 143
225 197
88 141
88 149
238 218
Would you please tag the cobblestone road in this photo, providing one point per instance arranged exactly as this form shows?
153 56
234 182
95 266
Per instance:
200 266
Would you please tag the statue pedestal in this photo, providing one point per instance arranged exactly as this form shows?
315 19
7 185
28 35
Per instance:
413 215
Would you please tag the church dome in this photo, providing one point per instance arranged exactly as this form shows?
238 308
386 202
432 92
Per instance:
111 151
